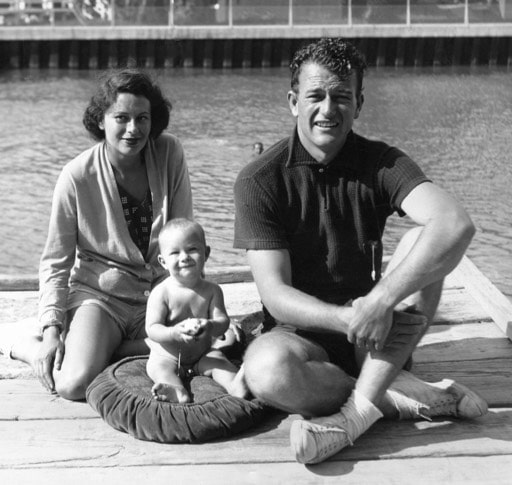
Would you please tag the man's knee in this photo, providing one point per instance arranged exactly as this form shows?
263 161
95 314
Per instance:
266 364
280 370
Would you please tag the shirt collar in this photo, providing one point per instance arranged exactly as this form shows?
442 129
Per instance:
346 159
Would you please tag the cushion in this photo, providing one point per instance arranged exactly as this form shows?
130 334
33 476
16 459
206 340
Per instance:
121 394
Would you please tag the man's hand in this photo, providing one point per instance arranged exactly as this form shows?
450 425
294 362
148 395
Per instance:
405 327
375 326
370 324
49 358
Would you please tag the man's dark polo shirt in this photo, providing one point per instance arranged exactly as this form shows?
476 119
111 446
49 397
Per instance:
330 217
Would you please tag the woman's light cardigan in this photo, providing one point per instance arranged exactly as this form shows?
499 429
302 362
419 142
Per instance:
89 245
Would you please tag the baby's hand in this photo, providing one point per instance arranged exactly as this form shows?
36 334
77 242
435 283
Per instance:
205 327
191 326
193 329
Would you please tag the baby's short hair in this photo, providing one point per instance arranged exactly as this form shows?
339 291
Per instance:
180 224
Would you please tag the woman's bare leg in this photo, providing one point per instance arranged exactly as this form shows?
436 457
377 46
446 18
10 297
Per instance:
90 343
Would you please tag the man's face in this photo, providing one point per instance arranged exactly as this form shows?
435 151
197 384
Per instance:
325 107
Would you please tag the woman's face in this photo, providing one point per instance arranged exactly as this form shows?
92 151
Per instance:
127 124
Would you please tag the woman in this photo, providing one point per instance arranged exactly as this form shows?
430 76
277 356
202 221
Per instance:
100 259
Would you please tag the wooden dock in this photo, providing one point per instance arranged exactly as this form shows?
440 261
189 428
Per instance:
45 439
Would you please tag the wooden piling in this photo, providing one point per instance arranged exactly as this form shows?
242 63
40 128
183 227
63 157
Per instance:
246 52
418 57
227 59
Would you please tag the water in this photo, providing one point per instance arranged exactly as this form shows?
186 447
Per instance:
454 123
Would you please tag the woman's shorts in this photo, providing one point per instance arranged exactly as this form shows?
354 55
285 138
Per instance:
130 319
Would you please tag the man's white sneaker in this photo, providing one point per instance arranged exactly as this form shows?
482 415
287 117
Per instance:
415 398
315 440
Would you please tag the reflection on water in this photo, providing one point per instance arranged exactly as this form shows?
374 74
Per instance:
455 124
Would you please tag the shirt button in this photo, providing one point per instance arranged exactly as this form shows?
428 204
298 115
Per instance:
321 170
147 266
146 293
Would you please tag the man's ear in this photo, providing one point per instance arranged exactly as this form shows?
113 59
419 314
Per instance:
207 251
360 101
161 261
292 102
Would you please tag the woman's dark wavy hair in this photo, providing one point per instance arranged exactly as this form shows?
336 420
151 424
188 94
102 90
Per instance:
126 80
339 56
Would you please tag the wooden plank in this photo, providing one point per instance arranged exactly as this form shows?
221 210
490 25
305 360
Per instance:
495 303
92 443
221 274
460 343
25 399
456 305
421 471
490 378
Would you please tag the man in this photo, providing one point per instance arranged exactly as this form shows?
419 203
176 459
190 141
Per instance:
311 213
257 150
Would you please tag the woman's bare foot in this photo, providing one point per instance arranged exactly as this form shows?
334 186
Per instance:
170 393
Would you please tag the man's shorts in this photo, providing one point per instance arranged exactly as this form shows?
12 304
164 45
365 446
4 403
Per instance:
130 319
339 350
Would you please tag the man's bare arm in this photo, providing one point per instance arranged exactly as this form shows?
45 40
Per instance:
272 273
446 233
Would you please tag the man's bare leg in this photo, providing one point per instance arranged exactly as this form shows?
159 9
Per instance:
315 441
294 374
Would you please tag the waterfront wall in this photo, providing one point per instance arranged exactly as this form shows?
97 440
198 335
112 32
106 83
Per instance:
246 52
250 33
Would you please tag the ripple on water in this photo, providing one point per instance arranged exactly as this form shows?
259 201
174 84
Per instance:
456 125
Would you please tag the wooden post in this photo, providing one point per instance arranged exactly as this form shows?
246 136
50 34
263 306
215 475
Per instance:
475 52
285 52
93 54
457 51
438 52
169 53
493 54
73 55
227 60
400 53
381 53
247 53
418 58
33 54
267 53
509 54
188 53
208 53
112 51
84 54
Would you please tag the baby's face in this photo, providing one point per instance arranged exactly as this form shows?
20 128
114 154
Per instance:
183 254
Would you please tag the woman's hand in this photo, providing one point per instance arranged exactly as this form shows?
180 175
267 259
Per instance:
49 357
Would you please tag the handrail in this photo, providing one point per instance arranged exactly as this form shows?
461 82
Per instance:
110 13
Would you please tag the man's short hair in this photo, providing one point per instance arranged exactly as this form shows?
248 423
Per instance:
338 55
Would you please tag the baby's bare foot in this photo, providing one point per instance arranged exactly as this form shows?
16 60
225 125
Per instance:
170 393
238 386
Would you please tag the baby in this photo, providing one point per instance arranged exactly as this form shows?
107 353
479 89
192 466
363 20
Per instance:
185 314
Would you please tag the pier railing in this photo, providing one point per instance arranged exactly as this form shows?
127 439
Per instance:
251 13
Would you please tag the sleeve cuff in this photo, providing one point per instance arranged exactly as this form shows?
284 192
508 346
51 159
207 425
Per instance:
51 323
